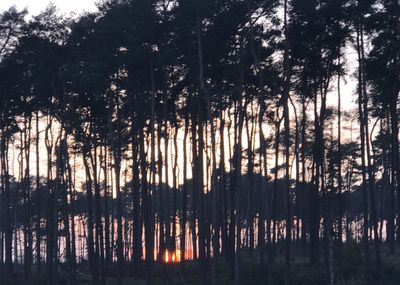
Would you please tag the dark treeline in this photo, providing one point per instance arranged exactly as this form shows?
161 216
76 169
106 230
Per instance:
211 130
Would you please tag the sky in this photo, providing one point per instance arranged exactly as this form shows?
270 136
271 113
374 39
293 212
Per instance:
65 6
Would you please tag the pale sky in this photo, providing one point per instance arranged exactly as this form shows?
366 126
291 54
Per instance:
65 6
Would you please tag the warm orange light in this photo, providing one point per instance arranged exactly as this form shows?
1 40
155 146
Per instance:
172 257
166 256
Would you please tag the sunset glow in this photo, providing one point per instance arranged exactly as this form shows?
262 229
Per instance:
172 257
199 142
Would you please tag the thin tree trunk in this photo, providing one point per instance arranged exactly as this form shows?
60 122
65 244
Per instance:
339 162
38 199
184 198
287 76
362 138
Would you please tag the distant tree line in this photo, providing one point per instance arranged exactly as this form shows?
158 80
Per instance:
215 127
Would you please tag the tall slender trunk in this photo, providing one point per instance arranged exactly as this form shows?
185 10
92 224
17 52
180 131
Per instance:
286 90
250 131
6 207
297 170
262 153
273 208
175 178
71 208
92 256
64 207
394 114
99 238
304 192
115 138
27 193
50 223
339 171
363 142
199 161
149 194
161 195
315 192
371 175
184 197
166 186
38 199
120 245
104 166
223 213
137 219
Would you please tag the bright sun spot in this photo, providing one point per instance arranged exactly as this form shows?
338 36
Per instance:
172 257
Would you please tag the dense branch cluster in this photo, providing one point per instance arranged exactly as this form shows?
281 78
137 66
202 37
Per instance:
213 130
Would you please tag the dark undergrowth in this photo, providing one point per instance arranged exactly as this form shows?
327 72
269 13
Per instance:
353 270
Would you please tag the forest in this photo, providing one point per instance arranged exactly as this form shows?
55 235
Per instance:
201 142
